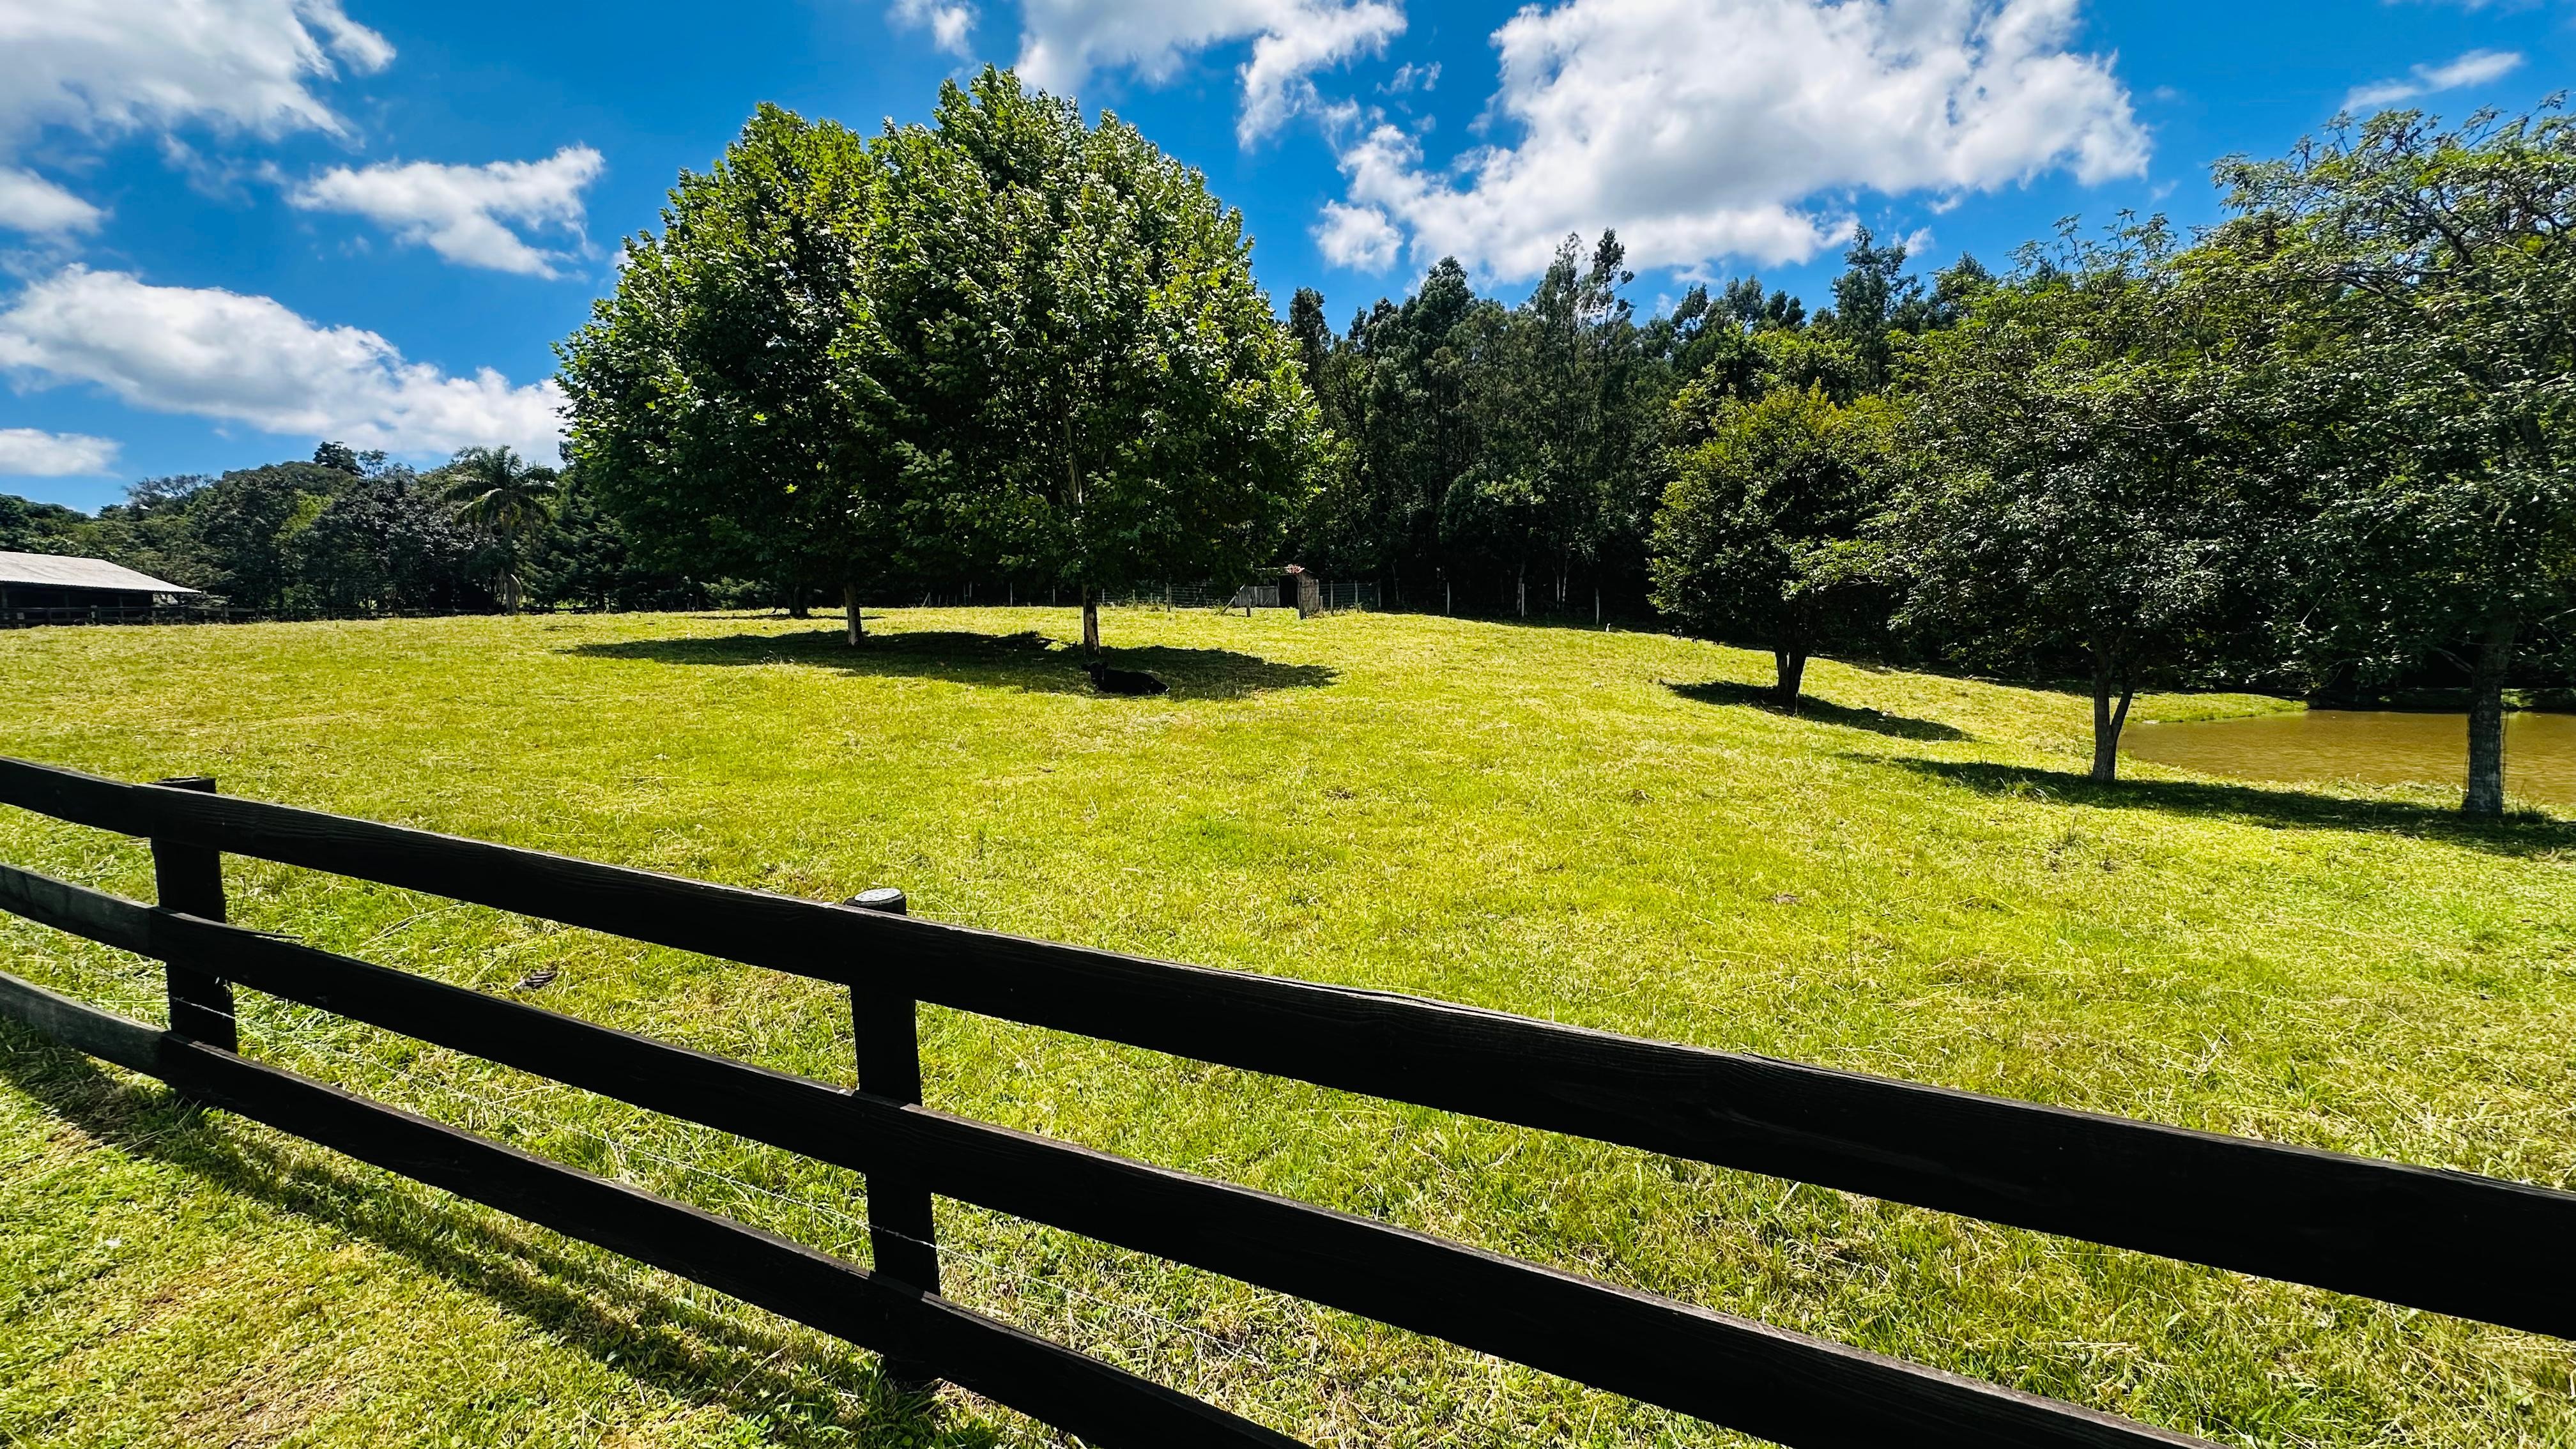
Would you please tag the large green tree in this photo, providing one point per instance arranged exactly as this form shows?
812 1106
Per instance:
1077 363
385 542
2429 357
2075 501
1765 533
711 402
1482 445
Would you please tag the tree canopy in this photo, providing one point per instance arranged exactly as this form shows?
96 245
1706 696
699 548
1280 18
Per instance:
2075 505
2425 352
710 400
1087 384
1765 534
1007 341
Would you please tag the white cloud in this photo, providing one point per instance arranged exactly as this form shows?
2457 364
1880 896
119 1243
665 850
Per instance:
1408 75
2474 68
1063 41
218 354
124 65
948 21
1707 128
1357 236
30 203
33 453
460 212
109 67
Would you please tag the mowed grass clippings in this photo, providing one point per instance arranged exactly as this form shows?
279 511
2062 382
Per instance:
1603 828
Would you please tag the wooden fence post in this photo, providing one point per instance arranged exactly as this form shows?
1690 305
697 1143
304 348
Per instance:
901 1235
190 878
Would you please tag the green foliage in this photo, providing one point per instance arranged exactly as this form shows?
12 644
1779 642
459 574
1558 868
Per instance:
2076 505
1763 536
245 525
1007 342
1084 380
1554 392
29 527
1394 392
2428 352
507 502
387 543
354 534
583 557
1482 443
709 397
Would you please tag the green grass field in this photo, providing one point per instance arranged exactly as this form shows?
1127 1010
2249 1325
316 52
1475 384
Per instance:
1591 827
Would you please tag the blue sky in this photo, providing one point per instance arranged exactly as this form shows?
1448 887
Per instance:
230 228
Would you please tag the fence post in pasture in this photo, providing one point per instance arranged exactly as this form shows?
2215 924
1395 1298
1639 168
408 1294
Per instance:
901 1235
190 879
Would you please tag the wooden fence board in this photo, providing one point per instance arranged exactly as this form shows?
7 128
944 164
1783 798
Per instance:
1040 1378
1747 1375
2429 1238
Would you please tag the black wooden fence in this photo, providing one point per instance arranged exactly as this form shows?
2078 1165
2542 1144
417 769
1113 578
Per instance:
2447 1241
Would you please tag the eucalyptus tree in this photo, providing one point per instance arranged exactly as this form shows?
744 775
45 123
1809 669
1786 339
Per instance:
1394 392
2432 277
1074 357
1766 533
1872 294
1562 395
2074 500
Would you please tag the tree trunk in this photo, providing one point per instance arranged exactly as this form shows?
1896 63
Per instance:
1791 662
1090 623
1520 591
2110 716
2486 721
858 625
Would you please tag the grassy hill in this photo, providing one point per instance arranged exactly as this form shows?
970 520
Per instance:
1592 827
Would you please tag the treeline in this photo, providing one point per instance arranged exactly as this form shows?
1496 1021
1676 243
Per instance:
349 533
2326 446
1511 459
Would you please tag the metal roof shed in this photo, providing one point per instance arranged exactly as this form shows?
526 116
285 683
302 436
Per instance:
37 588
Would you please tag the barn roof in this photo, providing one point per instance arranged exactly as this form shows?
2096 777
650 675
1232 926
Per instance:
63 571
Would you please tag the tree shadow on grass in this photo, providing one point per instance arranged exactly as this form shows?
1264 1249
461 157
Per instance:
1027 661
806 1389
1903 727
2520 833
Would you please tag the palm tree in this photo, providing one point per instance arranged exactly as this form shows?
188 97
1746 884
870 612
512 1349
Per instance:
506 498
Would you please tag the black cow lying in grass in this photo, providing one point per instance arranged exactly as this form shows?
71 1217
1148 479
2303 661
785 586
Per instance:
1123 681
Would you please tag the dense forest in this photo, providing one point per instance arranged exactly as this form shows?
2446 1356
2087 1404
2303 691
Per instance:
2327 445
1497 459
349 533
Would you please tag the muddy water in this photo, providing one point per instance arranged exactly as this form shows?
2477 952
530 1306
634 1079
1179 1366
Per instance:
2378 747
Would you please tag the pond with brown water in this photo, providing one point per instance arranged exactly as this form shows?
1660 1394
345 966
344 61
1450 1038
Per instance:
2368 746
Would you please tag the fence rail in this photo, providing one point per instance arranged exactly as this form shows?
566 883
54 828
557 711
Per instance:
2441 1240
1335 597
29 617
